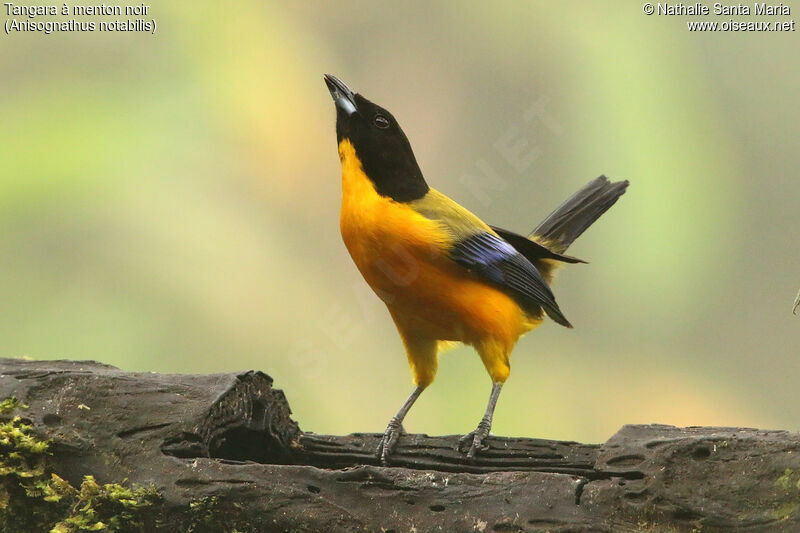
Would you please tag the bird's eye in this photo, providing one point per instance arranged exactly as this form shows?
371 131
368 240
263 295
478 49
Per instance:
381 121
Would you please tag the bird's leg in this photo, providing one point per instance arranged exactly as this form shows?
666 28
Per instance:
395 427
475 438
796 303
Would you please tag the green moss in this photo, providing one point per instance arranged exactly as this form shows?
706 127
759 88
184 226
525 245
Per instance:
23 473
784 482
110 507
785 510
209 514
32 498
789 501
9 404
657 526
202 512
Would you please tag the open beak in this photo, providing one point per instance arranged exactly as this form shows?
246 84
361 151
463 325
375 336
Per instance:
342 95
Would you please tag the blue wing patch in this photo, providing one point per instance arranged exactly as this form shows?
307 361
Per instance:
496 261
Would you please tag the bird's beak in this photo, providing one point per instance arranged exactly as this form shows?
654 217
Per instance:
342 95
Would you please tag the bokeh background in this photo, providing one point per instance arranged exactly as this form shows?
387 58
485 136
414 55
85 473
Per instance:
169 203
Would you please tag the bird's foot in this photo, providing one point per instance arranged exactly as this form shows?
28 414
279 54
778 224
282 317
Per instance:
474 439
389 440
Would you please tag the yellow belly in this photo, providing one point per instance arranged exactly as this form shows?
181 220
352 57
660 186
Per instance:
402 256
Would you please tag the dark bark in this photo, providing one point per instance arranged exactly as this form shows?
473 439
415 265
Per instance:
230 436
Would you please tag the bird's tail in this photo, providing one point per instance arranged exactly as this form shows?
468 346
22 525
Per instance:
570 219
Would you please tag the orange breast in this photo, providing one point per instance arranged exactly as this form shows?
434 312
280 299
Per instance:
446 303
402 256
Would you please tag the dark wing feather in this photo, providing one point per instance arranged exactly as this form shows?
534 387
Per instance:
532 250
498 262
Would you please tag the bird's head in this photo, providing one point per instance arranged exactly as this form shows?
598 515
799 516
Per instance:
379 144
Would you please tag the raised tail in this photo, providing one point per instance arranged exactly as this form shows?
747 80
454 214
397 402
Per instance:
574 216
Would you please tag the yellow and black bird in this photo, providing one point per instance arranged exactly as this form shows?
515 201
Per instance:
444 274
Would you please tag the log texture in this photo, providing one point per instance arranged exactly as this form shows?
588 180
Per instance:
230 436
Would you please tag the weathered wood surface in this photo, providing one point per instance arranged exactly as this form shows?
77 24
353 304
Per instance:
231 436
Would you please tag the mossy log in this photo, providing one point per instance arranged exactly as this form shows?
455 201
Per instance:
229 439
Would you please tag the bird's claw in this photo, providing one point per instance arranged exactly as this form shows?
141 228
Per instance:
474 439
389 440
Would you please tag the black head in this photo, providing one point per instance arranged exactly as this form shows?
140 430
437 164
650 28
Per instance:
380 144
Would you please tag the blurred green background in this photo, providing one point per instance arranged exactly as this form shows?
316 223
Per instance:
170 203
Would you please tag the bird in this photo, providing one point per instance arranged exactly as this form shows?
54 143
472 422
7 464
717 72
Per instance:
446 276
